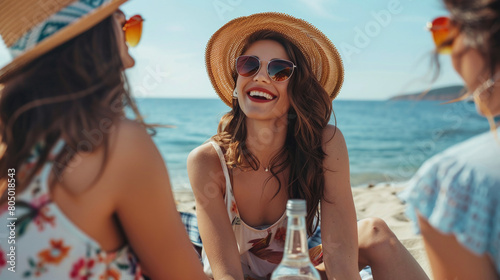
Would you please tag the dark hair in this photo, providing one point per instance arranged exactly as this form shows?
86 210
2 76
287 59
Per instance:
309 114
67 93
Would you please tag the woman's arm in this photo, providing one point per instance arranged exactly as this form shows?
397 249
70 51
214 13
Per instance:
146 209
450 260
338 217
208 183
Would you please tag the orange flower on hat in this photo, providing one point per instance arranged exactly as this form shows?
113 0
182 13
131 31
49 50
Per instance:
56 253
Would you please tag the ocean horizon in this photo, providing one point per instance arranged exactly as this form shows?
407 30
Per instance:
387 141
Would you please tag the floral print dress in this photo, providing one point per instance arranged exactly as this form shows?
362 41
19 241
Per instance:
50 246
261 250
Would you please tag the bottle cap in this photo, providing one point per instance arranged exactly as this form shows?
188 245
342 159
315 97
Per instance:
296 207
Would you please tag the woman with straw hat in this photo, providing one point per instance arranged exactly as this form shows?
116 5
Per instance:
279 75
86 194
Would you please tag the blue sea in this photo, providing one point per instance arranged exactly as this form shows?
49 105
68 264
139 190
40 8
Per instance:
387 140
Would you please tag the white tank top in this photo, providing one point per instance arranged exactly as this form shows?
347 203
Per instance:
260 250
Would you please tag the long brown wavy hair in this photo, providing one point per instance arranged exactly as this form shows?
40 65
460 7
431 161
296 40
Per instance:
309 114
480 22
69 93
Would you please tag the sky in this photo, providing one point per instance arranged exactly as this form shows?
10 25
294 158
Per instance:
384 44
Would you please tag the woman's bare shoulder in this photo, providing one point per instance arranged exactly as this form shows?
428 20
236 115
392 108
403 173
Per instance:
205 155
204 166
129 133
335 148
132 153
100 168
332 136
130 139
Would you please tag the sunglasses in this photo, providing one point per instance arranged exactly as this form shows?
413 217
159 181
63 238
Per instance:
442 32
279 70
133 30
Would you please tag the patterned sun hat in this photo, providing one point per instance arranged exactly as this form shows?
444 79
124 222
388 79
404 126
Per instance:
30 28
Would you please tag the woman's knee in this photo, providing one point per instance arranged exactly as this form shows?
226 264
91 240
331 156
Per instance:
375 236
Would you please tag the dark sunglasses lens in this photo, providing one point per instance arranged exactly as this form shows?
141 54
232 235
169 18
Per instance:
247 66
280 70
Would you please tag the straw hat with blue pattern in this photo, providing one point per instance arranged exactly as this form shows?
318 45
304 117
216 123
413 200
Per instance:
31 28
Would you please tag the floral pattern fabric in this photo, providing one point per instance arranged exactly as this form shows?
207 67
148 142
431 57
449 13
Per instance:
49 246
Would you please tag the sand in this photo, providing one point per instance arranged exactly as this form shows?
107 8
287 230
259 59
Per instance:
371 201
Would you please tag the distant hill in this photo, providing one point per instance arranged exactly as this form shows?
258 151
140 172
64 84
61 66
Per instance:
443 94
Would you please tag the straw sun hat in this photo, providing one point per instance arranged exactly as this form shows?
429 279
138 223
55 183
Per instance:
228 42
31 28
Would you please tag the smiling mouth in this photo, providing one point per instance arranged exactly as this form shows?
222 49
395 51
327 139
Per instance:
261 95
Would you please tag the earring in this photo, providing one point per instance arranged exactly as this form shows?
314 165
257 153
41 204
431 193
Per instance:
235 94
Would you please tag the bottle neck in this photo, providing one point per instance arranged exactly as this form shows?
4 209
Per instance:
296 239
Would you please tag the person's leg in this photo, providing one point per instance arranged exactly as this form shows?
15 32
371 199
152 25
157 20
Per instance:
381 250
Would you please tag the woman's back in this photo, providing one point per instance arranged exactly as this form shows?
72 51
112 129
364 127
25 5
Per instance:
70 230
105 187
85 224
91 230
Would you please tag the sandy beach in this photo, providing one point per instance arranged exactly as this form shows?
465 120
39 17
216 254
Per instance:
371 201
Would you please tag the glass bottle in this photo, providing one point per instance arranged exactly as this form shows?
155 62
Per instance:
296 263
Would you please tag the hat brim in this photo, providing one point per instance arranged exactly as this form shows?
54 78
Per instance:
228 42
74 29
